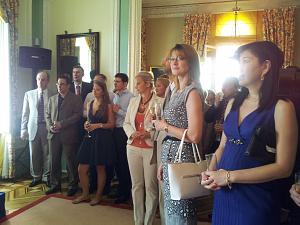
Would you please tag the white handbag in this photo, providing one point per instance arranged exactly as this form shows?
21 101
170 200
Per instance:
185 178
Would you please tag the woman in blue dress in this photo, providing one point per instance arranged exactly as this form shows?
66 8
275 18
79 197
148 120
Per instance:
247 190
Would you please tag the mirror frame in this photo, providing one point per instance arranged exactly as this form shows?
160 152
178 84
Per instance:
65 36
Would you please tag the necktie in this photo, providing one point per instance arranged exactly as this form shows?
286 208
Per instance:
41 116
77 90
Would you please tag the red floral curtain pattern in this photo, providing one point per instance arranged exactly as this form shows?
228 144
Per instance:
143 45
9 10
279 27
196 30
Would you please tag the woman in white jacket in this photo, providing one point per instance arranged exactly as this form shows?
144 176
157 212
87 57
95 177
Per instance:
137 126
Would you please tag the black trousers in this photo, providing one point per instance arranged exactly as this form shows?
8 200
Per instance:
121 167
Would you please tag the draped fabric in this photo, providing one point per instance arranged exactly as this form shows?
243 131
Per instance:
9 10
68 46
196 30
91 42
279 26
143 45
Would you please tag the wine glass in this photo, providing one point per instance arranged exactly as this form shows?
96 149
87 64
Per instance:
141 128
297 182
88 122
152 110
218 134
158 110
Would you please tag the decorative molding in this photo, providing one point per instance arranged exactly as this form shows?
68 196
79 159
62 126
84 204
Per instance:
134 51
180 10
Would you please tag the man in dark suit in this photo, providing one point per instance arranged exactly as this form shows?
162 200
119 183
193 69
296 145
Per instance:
78 86
81 89
64 112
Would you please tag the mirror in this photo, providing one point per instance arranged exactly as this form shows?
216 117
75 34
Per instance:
74 49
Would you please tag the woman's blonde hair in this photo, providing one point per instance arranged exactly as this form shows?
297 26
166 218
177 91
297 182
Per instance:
147 77
164 79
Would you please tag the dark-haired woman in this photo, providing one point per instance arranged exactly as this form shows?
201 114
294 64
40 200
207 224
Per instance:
247 190
97 147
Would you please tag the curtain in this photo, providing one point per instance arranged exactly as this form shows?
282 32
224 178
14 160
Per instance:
91 43
9 13
143 45
68 46
279 26
196 30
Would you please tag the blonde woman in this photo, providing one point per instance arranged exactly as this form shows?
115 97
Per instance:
140 150
161 84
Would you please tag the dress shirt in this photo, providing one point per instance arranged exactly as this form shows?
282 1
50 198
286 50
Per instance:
80 85
122 99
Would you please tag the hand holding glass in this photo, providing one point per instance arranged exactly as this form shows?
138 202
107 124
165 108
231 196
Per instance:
88 122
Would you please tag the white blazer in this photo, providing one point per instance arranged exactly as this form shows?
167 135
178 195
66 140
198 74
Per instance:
29 122
129 122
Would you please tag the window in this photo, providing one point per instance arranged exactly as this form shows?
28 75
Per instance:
4 68
84 57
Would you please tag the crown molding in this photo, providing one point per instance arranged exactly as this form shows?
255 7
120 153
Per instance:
180 10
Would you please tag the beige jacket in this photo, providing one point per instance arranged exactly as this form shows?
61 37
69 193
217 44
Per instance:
129 123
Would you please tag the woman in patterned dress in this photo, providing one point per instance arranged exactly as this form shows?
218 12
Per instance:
181 111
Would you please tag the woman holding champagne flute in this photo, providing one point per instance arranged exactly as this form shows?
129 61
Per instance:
247 189
97 146
137 126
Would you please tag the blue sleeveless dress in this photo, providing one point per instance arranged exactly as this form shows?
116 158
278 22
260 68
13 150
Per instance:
245 204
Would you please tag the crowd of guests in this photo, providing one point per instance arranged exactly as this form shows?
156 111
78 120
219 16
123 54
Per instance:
105 134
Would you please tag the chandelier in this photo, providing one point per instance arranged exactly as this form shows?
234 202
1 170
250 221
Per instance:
236 9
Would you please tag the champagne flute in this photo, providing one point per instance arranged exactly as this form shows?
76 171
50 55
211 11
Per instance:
158 110
88 122
141 128
297 182
218 134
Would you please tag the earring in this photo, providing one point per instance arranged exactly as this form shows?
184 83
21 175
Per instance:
262 78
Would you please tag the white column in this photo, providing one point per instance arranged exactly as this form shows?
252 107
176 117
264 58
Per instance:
134 50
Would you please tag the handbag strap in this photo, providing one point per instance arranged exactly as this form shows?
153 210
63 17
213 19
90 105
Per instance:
179 151
196 153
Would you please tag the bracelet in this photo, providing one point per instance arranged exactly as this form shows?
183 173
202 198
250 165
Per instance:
228 180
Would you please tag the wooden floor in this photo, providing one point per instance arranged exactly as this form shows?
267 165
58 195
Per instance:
18 194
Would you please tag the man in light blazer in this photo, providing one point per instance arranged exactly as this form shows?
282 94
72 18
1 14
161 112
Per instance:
33 128
64 112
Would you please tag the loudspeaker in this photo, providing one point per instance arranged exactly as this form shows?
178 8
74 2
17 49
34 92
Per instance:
66 63
33 57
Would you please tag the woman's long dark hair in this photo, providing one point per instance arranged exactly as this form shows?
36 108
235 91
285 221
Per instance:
102 110
263 50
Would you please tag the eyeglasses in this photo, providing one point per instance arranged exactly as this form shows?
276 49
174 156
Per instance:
177 58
